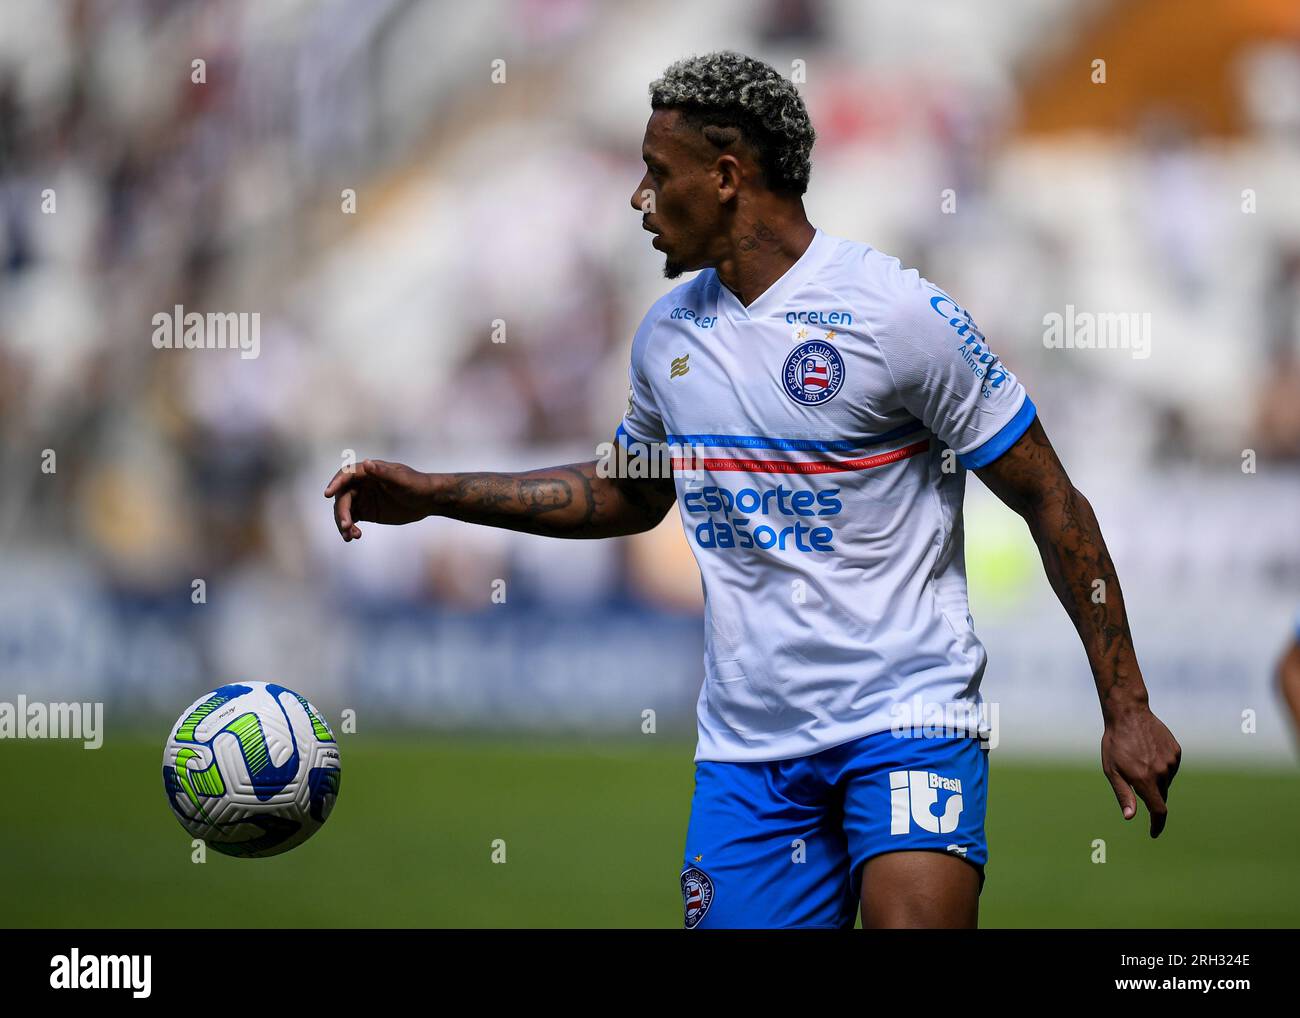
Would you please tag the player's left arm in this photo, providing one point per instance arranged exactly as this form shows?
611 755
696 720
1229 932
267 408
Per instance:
1138 753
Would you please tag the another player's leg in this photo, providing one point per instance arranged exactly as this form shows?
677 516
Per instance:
928 890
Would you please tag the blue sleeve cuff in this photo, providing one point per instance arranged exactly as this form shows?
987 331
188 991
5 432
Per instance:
625 438
1003 440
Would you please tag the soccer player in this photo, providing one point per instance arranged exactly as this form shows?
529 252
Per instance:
822 405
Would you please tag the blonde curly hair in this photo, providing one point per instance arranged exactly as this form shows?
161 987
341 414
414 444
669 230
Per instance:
731 97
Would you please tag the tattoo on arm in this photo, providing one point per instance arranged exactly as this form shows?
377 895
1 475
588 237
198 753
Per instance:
565 501
538 496
1030 479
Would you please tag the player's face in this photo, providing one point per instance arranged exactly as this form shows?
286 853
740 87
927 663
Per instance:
678 196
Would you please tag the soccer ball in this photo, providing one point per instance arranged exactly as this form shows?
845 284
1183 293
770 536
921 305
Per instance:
252 769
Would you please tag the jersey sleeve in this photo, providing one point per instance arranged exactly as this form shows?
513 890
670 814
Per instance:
949 379
641 423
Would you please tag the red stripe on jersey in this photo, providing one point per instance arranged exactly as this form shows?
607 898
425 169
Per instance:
802 466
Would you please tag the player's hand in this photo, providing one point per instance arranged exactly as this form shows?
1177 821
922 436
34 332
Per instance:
378 492
1140 755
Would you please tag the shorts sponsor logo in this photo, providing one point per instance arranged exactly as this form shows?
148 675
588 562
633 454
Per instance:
697 895
913 796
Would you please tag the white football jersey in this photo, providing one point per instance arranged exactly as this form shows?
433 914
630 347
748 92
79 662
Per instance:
810 434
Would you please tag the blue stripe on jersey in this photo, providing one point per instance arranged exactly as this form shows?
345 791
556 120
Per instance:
795 444
625 438
1003 440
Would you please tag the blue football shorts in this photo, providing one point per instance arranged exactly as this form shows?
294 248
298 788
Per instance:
782 844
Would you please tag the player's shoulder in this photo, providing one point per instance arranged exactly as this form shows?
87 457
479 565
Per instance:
879 279
888 297
691 294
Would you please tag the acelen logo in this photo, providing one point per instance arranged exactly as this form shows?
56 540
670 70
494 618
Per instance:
730 523
696 319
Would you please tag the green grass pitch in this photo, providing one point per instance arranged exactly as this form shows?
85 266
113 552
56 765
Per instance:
593 837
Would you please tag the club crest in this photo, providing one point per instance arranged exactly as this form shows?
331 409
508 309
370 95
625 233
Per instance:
813 373
697 895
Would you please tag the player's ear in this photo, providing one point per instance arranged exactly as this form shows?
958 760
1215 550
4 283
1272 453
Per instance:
729 173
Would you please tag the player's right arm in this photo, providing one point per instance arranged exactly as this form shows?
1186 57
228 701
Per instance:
572 501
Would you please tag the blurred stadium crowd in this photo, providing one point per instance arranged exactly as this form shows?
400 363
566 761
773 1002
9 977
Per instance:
481 202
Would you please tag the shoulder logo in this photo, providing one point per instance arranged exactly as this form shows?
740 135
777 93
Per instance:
813 372
697 895
680 367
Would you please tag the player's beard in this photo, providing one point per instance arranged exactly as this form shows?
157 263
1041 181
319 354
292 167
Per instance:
673 269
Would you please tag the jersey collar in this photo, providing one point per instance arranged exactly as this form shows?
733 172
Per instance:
776 294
